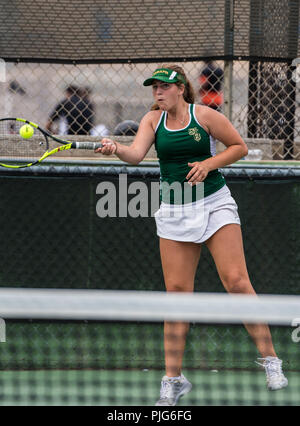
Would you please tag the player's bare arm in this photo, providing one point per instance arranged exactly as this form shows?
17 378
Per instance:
220 128
143 140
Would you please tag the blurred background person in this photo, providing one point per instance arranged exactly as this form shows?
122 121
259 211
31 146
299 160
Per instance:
88 110
100 130
211 80
126 128
75 112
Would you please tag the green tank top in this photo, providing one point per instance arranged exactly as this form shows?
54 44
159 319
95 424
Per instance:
175 149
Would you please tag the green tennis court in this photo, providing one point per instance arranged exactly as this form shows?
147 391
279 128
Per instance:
122 363
140 388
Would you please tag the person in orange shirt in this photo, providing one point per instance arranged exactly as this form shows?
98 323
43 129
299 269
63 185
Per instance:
211 79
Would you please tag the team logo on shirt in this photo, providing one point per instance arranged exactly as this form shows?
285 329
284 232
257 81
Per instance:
195 133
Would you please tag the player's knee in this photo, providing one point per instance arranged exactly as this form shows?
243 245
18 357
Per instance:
178 286
236 283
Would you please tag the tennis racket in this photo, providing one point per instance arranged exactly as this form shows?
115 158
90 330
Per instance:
26 146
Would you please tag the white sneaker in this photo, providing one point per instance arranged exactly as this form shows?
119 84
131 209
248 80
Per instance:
172 389
275 377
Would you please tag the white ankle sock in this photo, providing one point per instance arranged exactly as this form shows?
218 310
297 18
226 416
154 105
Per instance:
175 378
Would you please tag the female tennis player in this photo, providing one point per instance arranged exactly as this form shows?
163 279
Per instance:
184 135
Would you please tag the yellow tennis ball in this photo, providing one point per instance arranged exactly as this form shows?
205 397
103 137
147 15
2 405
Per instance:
26 131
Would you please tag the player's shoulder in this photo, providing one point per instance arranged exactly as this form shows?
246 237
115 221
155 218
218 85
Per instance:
203 109
208 117
207 113
153 117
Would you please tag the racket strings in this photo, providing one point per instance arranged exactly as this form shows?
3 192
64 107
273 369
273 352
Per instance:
15 148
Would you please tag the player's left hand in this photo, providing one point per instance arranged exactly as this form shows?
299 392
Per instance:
198 172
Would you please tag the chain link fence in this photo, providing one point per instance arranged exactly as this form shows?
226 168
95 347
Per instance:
83 65
264 101
78 68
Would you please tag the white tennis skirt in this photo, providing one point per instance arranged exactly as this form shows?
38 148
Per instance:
197 222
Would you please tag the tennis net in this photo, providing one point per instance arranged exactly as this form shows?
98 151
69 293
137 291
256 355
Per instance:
73 347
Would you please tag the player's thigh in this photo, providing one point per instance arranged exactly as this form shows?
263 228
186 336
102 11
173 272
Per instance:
226 248
179 262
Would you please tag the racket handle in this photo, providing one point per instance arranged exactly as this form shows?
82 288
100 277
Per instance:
87 145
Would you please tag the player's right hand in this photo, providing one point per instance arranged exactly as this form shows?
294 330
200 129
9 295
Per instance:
109 147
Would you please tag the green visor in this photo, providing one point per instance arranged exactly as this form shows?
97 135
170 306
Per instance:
166 75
